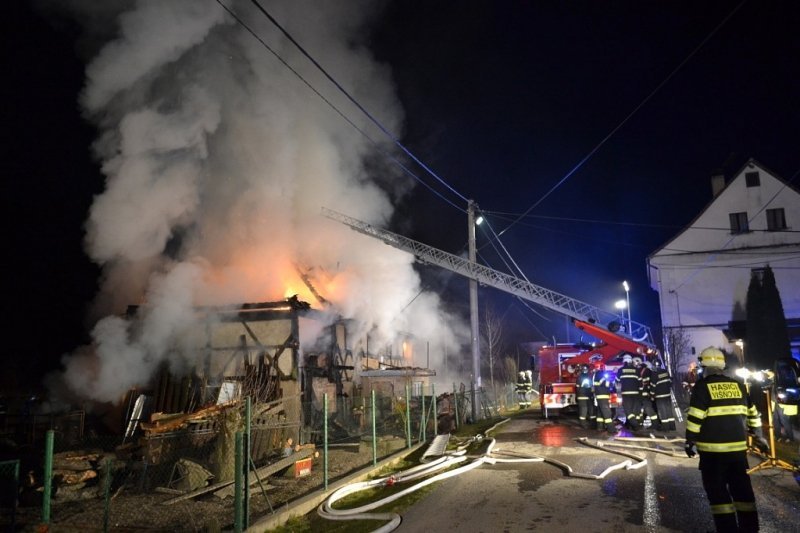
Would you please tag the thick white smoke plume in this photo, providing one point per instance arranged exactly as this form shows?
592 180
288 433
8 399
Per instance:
217 161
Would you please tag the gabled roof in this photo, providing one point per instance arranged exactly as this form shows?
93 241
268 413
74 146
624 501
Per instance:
737 175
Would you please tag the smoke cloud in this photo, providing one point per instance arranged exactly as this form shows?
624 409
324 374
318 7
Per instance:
217 161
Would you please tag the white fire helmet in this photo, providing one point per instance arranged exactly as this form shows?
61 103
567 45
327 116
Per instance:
522 373
529 372
627 358
637 361
712 358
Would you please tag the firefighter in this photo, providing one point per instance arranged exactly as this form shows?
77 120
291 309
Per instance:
647 392
529 381
628 378
585 398
602 382
719 410
662 389
522 390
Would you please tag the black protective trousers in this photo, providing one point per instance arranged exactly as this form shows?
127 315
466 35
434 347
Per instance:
632 405
730 494
665 414
586 414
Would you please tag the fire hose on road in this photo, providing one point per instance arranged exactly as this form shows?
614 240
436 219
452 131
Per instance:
442 468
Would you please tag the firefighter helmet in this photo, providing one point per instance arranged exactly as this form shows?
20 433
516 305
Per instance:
627 358
712 358
637 361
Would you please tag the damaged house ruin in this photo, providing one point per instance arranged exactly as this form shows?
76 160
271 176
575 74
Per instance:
284 356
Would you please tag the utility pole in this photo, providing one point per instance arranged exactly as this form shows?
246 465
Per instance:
473 313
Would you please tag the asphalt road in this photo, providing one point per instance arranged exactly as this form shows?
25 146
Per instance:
665 494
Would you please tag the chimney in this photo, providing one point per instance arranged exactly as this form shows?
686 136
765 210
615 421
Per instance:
717 182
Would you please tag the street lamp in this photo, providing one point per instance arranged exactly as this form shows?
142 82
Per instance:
628 305
620 306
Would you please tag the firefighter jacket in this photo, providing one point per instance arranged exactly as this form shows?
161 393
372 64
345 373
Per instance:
662 383
522 384
645 383
720 410
584 382
628 378
602 385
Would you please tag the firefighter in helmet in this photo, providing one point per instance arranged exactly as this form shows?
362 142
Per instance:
585 398
522 390
647 393
719 411
628 377
529 386
662 390
602 383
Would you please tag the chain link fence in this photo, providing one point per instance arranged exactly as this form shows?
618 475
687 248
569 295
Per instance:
204 473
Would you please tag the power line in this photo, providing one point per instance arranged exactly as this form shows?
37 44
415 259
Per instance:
509 216
374 143
626 119
355 102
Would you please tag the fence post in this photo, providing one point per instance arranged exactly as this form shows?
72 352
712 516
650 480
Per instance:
374 432
435 410
248 409
325 439
48 475
455 404
106 495
408 416
238 507
422 412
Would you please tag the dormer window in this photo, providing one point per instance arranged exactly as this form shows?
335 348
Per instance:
752 179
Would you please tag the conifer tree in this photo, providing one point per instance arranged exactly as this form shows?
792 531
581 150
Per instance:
767 337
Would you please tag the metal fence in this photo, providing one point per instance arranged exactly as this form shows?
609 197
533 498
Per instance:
220 471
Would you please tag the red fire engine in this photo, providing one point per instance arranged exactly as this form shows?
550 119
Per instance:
559 364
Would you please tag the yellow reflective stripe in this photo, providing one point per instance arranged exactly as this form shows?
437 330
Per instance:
721 447
723 508
789 410
697 413
752 411
725 410
630 392
691 426
745 506
754 422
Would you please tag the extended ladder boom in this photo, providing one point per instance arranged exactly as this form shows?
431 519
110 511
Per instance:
526 290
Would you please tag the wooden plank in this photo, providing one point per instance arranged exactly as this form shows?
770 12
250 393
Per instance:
265 471
198 492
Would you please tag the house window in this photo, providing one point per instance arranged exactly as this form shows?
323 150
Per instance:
752 179
739 223
776 219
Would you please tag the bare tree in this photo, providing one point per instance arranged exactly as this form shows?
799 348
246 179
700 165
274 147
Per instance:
492 337
677 351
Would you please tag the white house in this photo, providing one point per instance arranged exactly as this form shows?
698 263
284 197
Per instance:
702 274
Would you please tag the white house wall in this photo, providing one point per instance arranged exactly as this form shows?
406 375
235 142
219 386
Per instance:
703 273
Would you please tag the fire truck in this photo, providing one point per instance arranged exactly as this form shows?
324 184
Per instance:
558 364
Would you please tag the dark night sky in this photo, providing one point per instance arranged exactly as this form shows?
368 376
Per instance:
503 100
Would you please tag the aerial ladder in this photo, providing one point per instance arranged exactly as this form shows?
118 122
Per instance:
595 321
